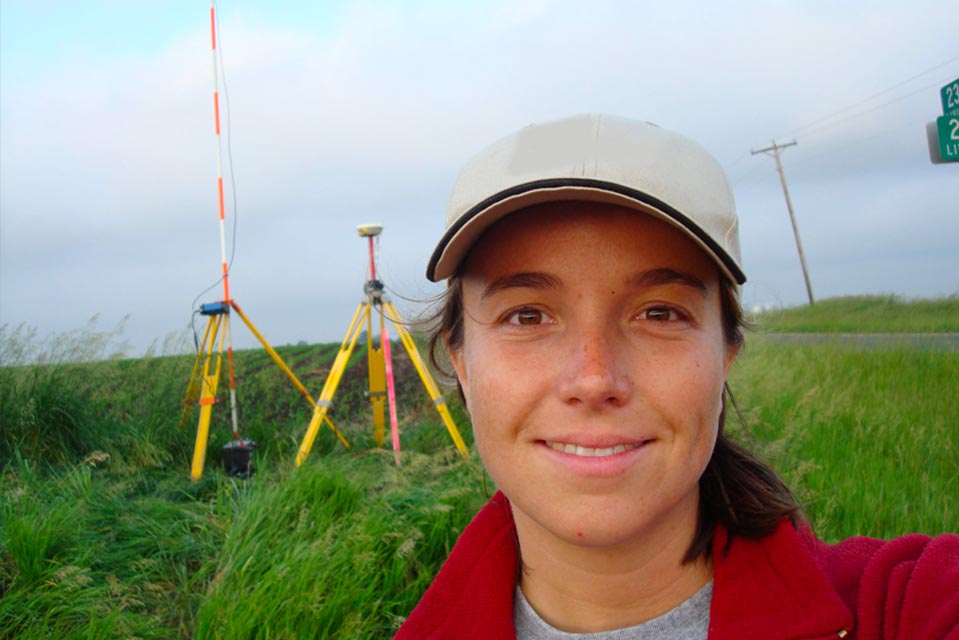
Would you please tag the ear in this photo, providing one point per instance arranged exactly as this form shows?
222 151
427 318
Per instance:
458 360
732 350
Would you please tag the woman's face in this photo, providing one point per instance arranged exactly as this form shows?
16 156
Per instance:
593 365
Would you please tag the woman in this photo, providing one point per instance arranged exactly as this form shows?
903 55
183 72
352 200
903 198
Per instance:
591 319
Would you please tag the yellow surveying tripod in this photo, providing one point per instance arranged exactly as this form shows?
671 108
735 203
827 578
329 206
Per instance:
205 379
380 370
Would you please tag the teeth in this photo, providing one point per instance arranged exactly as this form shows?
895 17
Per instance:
575 450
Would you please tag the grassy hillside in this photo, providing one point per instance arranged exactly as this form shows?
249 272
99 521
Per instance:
102 534
864 314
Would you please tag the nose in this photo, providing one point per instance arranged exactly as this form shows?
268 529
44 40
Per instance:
596 375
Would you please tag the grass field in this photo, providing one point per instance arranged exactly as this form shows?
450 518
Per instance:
103 535
865 314
867 438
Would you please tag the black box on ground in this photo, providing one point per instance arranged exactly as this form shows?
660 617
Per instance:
238 458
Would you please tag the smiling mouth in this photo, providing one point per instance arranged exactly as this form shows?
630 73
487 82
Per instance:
591 452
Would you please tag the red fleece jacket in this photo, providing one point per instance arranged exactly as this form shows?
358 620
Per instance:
786 585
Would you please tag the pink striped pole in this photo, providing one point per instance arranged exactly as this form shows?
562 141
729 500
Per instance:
372 263
391 394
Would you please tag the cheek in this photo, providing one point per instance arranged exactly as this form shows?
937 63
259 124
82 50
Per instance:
479 390
482 385
693 401
696 376
709 402
472 376
480 364
501 395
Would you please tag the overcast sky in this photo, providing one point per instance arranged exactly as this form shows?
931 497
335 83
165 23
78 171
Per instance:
341 113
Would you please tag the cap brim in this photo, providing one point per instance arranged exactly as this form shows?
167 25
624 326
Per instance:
460 238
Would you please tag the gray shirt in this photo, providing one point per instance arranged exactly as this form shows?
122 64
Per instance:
688 621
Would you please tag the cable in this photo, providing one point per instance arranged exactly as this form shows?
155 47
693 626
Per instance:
819 126
801 160
732 164
196 341
229 147
194 311
825 127
748 174
229 139
795 132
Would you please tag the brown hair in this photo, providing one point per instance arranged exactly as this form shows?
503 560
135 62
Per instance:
737 489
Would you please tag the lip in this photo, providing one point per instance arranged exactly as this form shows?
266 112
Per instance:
592 451
605 457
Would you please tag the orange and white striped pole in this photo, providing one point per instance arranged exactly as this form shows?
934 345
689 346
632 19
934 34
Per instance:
219 161
222 212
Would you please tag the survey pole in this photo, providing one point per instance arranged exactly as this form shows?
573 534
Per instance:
789 205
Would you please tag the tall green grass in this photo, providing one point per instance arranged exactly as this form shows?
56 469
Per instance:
86 553
339 548
867 437
66 396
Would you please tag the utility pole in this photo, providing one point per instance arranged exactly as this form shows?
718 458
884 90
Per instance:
792 216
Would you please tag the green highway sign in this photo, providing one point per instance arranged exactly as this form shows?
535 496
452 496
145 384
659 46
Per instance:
948 127
950 99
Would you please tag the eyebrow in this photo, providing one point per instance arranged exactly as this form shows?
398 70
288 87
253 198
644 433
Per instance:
525 279
645 279
664 276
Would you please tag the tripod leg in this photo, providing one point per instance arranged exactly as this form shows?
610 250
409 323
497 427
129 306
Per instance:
438 400
193 386
284 368
332 381
207 399
273 354
377 368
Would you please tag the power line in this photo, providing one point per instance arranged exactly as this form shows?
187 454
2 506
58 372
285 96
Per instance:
806 159
819 126
835 123
860 103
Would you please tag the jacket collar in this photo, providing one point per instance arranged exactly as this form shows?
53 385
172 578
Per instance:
472 595
773 587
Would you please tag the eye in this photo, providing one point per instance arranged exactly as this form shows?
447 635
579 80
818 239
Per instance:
663 314
527 316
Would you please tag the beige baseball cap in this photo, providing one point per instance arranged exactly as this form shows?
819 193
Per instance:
594 158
